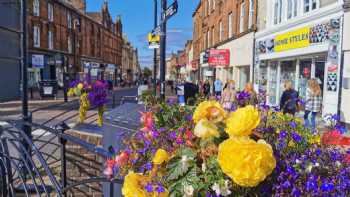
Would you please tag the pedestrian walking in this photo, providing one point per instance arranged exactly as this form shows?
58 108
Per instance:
289 99
312 103
228 95
206 89
217 87
253 97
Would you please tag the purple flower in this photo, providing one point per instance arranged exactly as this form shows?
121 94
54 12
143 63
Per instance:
283 134
293 124
148 166
327 186
296 192
155 134
296 137
172 135
286 184
160 188
149 188
188 117
162 129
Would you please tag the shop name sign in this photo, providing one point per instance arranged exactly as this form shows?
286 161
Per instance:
292 40
219 57
298 38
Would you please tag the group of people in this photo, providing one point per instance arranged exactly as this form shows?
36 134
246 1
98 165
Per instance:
291 103
228 94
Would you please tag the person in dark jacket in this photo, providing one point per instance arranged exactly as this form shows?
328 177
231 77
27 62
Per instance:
206 89
289 99
191 90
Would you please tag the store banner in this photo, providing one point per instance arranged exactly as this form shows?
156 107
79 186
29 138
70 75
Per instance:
292 40
38 61
296 39
219 57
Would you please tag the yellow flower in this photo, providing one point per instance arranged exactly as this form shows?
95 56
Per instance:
206 129
134 185
211 110
245 161
242 121
80 86
291 143
70 92
160 157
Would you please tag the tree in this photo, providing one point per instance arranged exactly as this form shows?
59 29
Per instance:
146 72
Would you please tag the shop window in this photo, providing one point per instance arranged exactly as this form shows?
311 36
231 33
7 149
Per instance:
242 16
50 39
36 8
295 4
251 13
50 12
290 9
230 25
69 20
278 11
70 48
36 36
310 5
272 83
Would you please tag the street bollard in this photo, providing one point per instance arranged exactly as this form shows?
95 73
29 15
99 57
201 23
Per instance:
62 128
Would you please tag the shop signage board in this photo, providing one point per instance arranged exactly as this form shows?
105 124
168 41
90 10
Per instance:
38 61
296 39
219 57
153 41
292 40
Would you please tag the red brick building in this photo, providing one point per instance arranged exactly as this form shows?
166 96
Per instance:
221 24
63 37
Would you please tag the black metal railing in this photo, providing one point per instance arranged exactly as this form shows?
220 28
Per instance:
24 171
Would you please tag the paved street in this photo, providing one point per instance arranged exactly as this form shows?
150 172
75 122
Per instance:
52 112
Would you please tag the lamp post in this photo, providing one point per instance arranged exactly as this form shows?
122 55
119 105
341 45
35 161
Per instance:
155 50
24 66
163 49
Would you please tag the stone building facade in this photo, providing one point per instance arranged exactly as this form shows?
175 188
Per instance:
225 25
130 69
64 38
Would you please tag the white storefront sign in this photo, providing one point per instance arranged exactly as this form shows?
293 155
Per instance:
38 61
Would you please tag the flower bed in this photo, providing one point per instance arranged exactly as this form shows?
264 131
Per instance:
92 94
207 151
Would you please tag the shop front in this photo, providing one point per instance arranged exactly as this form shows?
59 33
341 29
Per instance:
240 60
310 50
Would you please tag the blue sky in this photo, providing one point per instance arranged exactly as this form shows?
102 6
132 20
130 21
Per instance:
137 17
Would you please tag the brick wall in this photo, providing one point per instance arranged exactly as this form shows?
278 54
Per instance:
92 39
206 20
82 164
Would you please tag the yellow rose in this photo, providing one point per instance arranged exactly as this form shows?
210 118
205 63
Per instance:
206 129
211 110
245 161
242 121
80 86
160 157
134 185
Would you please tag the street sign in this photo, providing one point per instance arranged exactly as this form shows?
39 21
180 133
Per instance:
157 31
170 11
153 41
